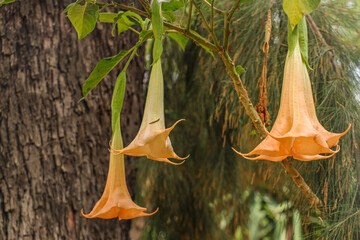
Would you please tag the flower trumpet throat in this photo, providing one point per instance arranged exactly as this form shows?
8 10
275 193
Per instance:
116 202
296 132
153 139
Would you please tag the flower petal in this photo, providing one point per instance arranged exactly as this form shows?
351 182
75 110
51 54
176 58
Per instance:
116 201
297 131
155 146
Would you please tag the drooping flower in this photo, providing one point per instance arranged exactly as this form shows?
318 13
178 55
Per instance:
296 132
116 200
153 139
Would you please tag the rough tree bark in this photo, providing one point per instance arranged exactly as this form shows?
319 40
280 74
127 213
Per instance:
53 150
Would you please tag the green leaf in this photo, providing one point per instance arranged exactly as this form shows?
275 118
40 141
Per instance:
71 5
123 20
127 20
107 17
171 6
240 69
157 25
123 24
296 9
143 34
208 50
253 132
180 39
2 2
145 24
170 17
303 41
134 18
83 18
203 46
118 98
101 70
292 37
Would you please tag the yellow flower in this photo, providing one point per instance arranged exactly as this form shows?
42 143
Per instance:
153 139
116 200
296 131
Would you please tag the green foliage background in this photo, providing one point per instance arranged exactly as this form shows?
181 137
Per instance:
216 194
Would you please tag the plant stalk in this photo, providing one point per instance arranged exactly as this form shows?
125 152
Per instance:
207 24
227 19
215 9
189 16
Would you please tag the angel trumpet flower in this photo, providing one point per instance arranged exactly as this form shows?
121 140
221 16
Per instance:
296 131
153 139
116 200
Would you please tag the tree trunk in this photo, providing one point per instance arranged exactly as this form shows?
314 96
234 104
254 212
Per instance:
53 149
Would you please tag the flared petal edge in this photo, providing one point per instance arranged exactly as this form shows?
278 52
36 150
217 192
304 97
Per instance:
307 158
261 157
140 214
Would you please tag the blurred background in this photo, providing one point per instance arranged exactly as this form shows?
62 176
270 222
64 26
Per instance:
53 150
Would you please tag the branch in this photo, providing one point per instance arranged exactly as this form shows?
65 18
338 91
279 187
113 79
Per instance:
232 10
120 6
215 9
197 38
243 95
227 19
300 182
206 24
145 6
189 16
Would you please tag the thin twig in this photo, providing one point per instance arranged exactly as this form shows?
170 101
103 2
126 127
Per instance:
206 24
202 17
120 6
189 16
215 9
232 10
227 19
300 182
145 6
170 31
197 38
243 95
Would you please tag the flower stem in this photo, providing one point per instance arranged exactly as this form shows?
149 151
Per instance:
189 16
211 31
211 6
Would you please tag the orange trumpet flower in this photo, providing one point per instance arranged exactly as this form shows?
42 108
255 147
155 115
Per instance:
296 132
153 139
116 200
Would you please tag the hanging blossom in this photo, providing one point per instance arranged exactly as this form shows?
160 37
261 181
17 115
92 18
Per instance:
116 201
296 132
153 139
